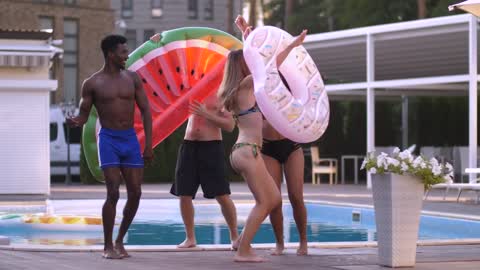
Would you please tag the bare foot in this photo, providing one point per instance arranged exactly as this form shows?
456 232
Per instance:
235 244
187 244
249 258
120 249
111 254
278 250
302 250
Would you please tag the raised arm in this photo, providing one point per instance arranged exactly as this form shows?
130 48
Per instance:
243 26
142 103
296 42
246 29
86 102
156 38
220 117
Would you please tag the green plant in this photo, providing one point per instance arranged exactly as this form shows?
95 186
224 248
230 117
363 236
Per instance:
430 171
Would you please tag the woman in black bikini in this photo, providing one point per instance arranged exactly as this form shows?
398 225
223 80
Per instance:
282 155
236 94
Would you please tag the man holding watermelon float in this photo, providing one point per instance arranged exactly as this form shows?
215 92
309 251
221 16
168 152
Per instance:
200 162
114 92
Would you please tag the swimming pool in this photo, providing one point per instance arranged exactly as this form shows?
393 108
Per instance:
158 222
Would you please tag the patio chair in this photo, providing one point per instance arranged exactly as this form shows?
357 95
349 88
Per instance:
323 166
446 187
469 187
459 187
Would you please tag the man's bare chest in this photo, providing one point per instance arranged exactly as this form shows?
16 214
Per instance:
106 90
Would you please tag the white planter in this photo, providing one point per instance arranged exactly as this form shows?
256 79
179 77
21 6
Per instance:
398 202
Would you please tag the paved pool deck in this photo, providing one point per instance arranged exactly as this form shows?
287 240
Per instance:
430 255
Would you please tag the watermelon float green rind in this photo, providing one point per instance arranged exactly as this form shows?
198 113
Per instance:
202 33
220 38
89 144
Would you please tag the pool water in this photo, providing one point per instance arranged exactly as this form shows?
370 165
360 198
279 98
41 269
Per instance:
158 222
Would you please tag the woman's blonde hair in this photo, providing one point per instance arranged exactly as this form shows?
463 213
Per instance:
233 75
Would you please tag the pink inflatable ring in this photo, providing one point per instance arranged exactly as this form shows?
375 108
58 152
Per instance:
300 115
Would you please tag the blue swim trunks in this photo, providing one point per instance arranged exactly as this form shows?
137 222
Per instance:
119 148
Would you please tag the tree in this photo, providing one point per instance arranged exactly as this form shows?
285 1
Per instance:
230 7
328 15
422 8
252 14
309 14
289 5
274 13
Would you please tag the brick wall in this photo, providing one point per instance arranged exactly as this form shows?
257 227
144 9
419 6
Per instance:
95 20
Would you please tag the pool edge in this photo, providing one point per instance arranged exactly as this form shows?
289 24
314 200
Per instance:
225 247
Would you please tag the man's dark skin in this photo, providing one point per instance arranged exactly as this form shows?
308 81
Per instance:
114 91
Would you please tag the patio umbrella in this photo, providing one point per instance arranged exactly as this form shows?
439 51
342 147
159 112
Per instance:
471 6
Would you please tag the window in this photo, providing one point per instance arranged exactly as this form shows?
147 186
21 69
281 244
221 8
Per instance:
46 23
70 59
208 14
157 8
70 2
193 9
75 134
147 33
131 36
53 131
127 8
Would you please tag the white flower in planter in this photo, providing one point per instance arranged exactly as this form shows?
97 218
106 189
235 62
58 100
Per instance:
423 165
406 155
437 170
433 162
363 164
449 167
417 163
403 162
404 167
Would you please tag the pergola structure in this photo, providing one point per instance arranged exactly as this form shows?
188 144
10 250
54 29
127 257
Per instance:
424 57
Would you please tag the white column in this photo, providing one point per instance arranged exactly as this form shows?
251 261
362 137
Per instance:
370 100
404 122
472 96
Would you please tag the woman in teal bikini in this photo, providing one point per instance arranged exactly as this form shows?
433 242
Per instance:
283 155
236 94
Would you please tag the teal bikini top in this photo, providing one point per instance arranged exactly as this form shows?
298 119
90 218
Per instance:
253 109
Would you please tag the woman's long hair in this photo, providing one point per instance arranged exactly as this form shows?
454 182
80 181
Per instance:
233 75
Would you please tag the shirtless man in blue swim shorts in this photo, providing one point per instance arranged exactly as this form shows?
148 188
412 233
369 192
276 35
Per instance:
114 91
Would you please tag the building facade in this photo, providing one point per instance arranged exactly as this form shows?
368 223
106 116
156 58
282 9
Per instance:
81 24
25 86
140 19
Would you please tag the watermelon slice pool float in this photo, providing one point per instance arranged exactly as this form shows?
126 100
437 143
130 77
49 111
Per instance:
186 64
